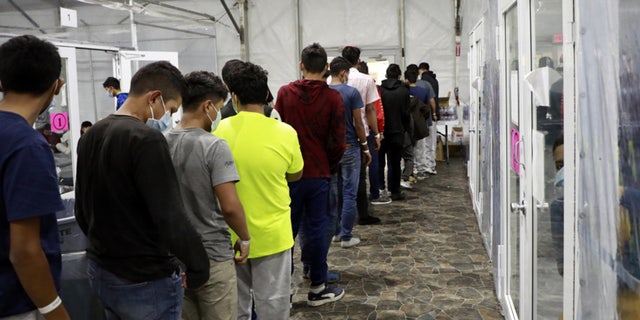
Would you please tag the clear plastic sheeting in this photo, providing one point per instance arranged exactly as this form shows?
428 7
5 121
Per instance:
608 200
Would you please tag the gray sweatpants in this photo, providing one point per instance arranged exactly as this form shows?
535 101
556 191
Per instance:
269 278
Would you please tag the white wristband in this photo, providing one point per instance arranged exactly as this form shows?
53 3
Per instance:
52 306
245 242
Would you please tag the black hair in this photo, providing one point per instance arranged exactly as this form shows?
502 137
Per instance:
28 65
413 67
314 58
559 142
86 124
363 67
202 85
249 82
226 69
352 54
326 74
160 75
424 65
545 62
393 71
411 76
111 82
339 64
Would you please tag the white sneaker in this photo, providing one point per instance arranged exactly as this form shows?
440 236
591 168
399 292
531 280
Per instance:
406 184
432 171
348 244
336 238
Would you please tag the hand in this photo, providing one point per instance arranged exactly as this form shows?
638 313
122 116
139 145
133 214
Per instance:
366 158
244 252
435 118
378 140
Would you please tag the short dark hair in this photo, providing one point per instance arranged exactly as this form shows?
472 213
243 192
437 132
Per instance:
352 54
558 142
160 75
111 82
314 58
28 65
339 64
411 76
393 71
249 82
413 66
226 69
424 65
363 67
86 124
202 85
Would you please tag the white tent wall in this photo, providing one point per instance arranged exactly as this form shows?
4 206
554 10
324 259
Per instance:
430 37
370 24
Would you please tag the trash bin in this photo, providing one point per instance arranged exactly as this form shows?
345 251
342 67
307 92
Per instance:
75 292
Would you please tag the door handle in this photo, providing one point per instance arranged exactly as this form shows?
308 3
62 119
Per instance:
472 130
542 205
519 207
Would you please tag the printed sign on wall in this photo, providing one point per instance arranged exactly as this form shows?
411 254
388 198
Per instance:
59 121
515 150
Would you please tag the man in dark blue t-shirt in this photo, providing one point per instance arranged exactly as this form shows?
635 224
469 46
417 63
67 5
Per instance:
356 139
29 247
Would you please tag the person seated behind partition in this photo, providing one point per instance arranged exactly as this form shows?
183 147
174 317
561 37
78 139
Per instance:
112 86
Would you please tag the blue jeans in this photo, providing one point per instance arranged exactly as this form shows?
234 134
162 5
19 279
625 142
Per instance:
350 170
374 175
125 300
310 211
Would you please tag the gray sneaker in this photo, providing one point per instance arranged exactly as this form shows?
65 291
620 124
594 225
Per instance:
381 200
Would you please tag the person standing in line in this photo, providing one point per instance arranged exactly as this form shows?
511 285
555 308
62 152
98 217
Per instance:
429 76
128 204
367 89
317 113
207 176
267 155
395 98
112 86
426 97
376 196
30 259
357 146
230 110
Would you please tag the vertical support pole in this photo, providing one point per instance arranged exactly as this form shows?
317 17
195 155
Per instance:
402 35
244 30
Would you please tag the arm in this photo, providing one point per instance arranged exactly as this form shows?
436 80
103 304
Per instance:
31 265
233 214
432 103
372 121
337 134
362 136
156 180
292 177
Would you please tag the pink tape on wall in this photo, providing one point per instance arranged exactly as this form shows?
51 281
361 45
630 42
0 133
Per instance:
515 150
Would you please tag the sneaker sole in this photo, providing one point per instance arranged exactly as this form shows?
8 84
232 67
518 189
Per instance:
317 303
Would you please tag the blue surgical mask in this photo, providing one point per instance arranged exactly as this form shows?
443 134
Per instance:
164 123
109 94
214 123
559 181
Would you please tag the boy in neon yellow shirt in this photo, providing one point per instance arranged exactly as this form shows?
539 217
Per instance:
267 156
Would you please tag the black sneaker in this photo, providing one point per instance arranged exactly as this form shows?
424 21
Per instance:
368 220
398 196
325 296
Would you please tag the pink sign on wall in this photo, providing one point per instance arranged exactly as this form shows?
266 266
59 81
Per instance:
515 150
59 121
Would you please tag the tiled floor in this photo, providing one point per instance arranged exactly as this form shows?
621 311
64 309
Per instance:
425 261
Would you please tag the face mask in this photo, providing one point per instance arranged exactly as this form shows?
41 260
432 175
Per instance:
559 181
109 94
164 122
214 123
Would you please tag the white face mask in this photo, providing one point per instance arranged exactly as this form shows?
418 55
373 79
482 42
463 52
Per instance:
165 121
214 123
